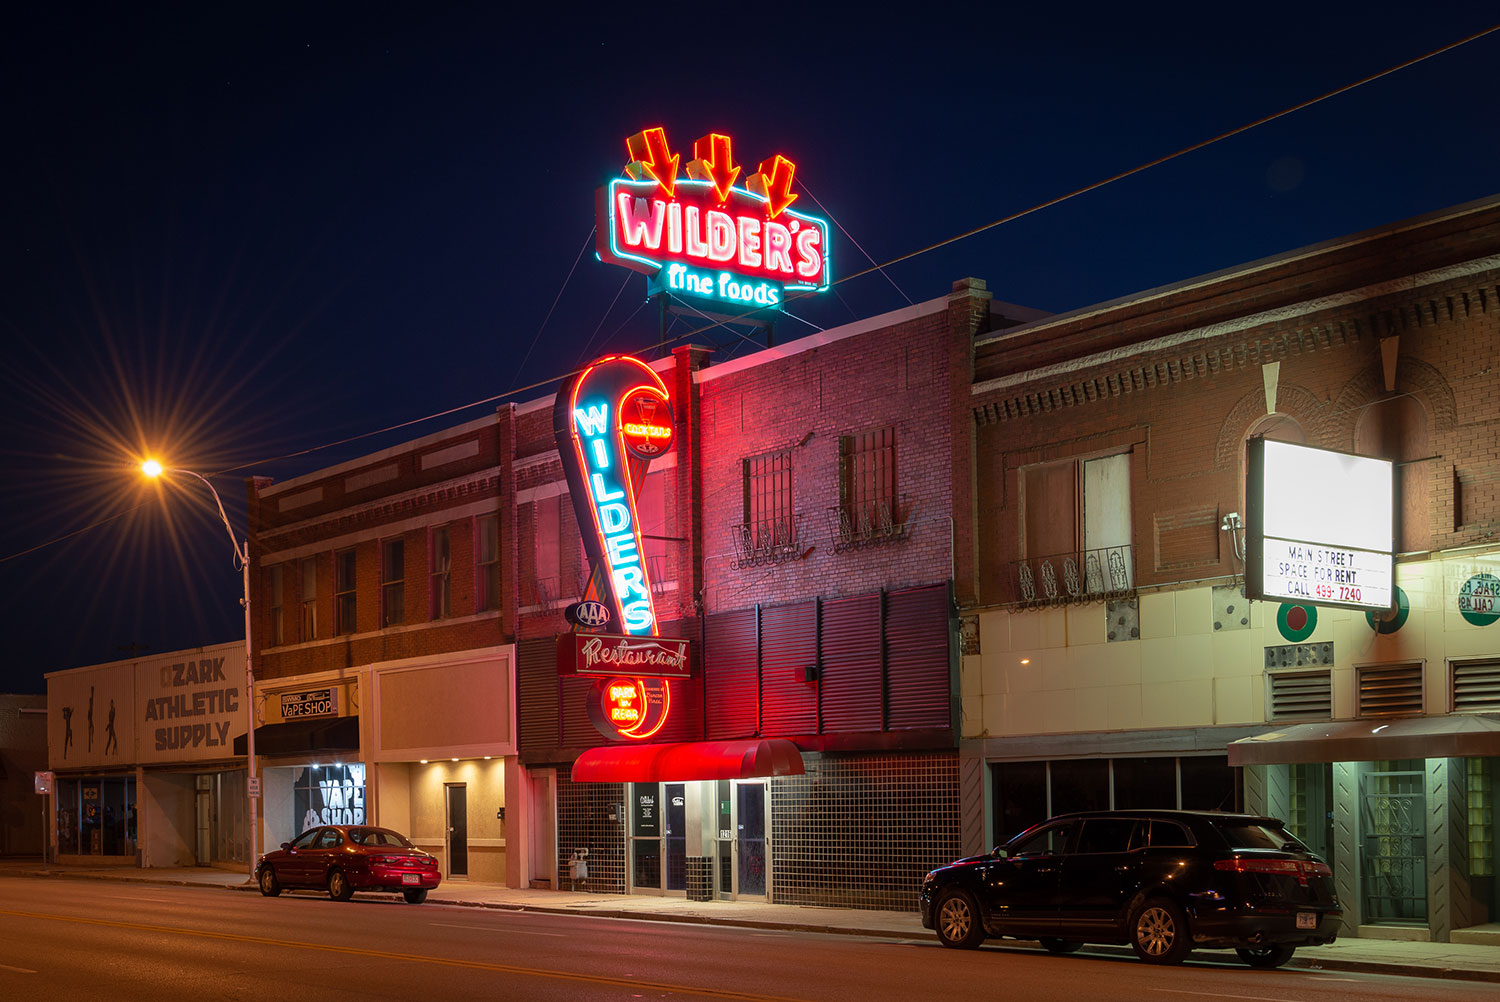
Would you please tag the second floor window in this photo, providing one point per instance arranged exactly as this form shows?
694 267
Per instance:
1078 511
768 500
392 582
344 605
487 564
309 599
276 586
867 480
440 584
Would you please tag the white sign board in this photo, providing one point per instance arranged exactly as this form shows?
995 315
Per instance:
1320 528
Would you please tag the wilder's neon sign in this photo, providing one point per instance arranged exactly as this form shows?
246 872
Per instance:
610 421
706 236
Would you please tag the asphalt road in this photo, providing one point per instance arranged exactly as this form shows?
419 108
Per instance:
84 940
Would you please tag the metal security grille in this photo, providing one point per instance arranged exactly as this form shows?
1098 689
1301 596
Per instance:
861 832
1476 686
592 816
1394 861
1300 695
1390 690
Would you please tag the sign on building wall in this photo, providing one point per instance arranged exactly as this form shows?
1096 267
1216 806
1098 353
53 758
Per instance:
711 231
1319 527
182 707
321 702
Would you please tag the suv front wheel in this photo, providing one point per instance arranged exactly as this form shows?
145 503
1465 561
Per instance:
958 922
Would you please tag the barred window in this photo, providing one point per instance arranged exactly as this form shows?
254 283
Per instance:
867 476
768 496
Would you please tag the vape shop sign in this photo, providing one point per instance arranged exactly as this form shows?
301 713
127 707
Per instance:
322 702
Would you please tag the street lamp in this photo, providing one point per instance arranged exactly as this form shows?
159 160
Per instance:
153 469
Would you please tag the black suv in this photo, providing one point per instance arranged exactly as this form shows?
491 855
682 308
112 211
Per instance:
1162 881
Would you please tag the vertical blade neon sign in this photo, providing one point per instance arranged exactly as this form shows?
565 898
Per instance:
610 421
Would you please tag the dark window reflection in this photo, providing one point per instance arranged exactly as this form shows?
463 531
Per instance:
1145 782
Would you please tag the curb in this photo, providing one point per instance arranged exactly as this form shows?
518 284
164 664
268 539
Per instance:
1296 964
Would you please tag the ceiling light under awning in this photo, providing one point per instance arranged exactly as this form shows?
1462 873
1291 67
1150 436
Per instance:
688 761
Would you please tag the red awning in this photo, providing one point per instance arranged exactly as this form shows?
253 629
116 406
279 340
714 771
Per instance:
688 761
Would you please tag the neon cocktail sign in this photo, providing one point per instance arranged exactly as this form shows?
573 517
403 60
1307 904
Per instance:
704 234
610 421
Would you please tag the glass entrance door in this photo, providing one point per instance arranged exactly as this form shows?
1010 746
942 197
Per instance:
750 859
658 838
458 830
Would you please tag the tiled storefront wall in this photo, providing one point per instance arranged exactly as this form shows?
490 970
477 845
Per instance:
591 816
860 832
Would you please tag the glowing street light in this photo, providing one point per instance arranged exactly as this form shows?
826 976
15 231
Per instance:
154 469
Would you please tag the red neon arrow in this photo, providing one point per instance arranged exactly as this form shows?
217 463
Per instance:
775 185
713 161
649 148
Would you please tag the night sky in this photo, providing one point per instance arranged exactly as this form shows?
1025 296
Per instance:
231 235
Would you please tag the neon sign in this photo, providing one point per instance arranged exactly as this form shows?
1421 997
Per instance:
610 421
706 235
631 708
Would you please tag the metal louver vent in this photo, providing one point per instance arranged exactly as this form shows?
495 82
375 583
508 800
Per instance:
1300 695
1390 690
1476 686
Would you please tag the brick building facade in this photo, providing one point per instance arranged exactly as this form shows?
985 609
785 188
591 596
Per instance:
1115 660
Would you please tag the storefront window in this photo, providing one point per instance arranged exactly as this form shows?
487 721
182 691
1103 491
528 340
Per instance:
1080 785
1145 782
96 816
1310 806
1209 784
329 795
1020 798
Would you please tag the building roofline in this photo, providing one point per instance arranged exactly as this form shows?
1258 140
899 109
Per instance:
1249 268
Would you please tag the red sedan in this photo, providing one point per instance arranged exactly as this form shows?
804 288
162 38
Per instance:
348 858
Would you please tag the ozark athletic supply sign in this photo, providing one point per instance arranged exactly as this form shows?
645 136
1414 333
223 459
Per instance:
715 233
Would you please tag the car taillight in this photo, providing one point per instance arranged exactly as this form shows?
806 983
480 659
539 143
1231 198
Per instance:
1299 868
385 860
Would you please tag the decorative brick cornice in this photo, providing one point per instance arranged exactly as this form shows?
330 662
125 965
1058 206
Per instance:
1106 380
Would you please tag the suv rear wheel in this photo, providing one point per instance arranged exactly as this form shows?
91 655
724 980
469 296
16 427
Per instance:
1159 932
958 922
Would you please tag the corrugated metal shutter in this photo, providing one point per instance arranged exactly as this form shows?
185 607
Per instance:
536 697
578 731
788 647
1476 686
685 719
1300 695
731 675
1390 690
918 663
850 647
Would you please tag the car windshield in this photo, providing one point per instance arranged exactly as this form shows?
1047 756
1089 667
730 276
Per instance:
1250 835
378 837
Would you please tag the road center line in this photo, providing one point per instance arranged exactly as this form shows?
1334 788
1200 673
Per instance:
475 965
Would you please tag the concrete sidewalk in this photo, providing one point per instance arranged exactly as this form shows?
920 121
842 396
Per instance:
1461 961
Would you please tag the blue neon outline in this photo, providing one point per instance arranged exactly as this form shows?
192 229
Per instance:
649 185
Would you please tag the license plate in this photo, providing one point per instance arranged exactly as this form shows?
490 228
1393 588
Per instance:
1307 920
414 878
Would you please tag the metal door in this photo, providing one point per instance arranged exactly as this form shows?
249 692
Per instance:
203 818
458 829
1393 826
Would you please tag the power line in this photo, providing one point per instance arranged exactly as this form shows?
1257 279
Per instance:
847 278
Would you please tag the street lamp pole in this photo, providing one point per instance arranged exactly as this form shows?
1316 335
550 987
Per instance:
242 555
